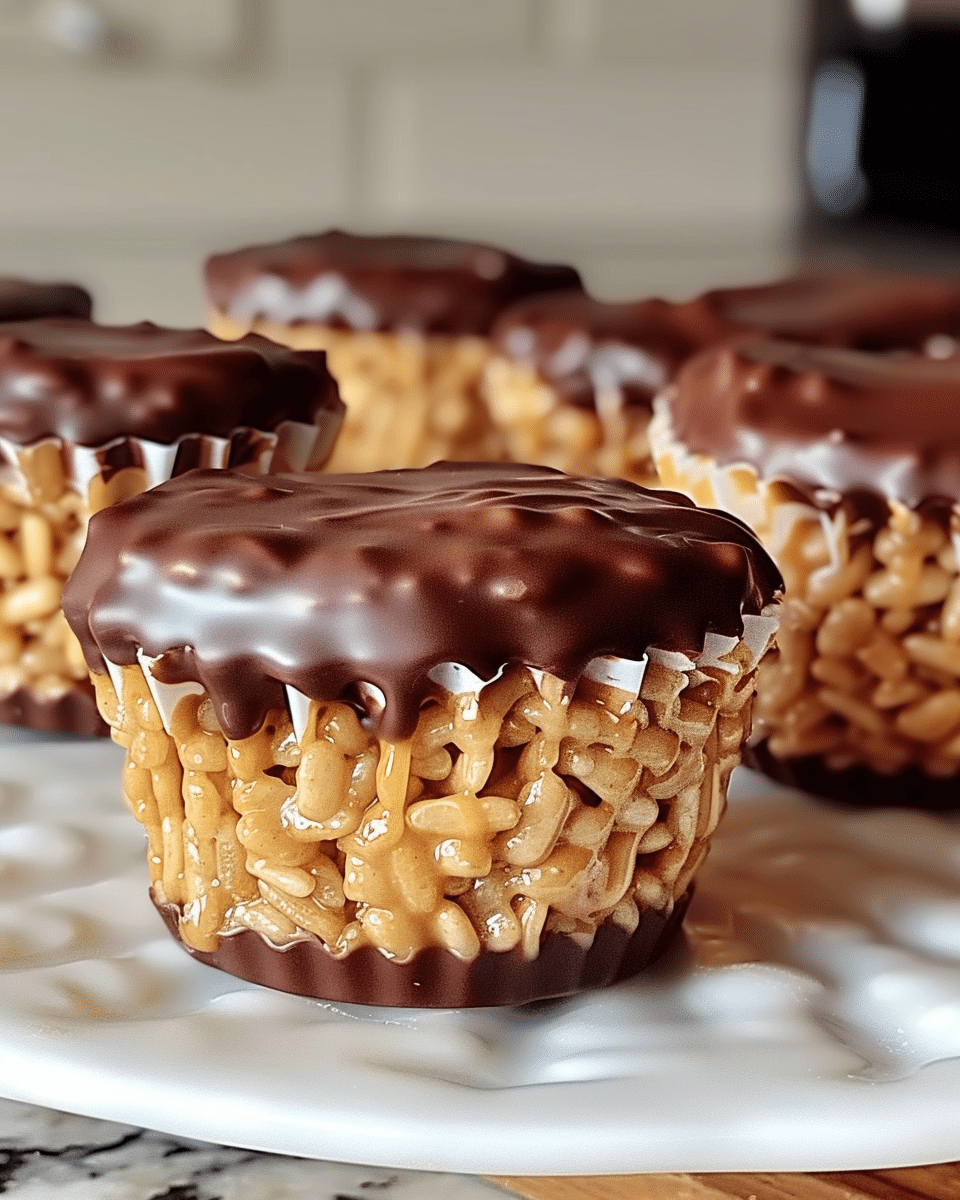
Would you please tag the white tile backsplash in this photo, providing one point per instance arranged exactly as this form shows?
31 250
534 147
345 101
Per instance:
307 35
722 34
105 149
572 145
648 140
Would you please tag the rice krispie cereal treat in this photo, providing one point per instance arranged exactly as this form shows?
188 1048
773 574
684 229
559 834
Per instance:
847 464
404 321
26 300
445 737
572 379
91 414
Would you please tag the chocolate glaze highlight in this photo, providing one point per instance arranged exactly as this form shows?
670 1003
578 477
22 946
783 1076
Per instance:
324 583
362 282
25 300
582 346
90 383
826 418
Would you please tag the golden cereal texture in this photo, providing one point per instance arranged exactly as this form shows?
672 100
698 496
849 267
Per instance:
43 523
867 667
411 400
511 811
537 426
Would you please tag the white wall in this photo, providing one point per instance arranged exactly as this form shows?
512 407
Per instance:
650 140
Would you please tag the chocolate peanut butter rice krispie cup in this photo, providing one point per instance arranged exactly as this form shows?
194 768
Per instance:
91 414
847 464
443 737
861 310
26 300
572 379
405 321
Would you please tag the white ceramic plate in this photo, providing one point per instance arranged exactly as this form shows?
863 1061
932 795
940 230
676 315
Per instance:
809 1023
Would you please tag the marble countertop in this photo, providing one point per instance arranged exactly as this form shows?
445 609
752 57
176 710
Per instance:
44 1153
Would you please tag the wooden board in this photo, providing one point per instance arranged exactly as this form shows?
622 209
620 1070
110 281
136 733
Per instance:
910 1183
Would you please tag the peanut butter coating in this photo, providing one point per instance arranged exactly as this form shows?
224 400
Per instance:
26 300
88 383
828 418
403 283
327 583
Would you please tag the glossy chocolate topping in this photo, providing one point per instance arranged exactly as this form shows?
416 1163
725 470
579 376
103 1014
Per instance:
855 309
328 582
25 300
90 383
365 282
825 416
584 346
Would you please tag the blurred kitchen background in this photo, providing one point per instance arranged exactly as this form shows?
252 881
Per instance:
661 145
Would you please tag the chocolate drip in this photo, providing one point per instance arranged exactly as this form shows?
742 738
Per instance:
827 419
24 300
859 310
582 346
326 582
364 282
90 383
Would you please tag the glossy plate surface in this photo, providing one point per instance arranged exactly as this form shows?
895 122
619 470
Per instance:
810 1022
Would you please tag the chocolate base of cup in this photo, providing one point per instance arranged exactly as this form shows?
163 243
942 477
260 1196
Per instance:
435 978
858 787
73 712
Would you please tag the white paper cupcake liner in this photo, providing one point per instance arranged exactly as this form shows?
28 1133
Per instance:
293 446
623 673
